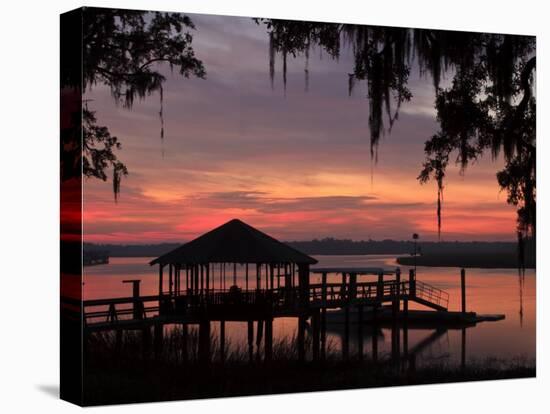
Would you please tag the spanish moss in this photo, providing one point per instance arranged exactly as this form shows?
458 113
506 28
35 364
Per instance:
164 38
490 105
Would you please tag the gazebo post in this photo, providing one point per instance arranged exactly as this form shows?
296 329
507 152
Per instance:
235 274
258 276
271 274
246 275
170 279
288 283
196 282
207 277
178 267
187 279
160 279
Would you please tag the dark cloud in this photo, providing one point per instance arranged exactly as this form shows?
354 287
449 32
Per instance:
262 202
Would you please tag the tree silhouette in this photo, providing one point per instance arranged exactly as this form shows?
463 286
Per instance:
490 106
122 49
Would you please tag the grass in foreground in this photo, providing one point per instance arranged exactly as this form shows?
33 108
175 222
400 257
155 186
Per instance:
129 375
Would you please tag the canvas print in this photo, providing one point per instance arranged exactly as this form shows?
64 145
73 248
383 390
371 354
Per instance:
258 206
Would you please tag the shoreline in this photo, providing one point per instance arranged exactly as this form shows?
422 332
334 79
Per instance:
467 261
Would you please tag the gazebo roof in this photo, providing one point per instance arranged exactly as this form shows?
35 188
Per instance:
234 242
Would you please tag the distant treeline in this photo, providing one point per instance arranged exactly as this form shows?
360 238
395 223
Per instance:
469 260
132 250
341 247
331 246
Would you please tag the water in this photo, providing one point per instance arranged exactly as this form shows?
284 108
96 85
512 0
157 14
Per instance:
489 291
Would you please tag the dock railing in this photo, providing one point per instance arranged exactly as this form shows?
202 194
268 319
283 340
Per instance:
432 294
115 310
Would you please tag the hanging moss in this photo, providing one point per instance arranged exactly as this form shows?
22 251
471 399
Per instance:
123 50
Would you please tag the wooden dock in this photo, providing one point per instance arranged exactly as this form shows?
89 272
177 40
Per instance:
282 288
383 302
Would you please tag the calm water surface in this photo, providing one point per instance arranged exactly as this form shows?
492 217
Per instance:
488 291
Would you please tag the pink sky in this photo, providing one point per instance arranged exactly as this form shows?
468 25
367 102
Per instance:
296 166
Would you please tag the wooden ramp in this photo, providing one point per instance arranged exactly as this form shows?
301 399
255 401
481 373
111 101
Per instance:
427 295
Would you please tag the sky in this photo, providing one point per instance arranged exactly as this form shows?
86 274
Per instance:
294 164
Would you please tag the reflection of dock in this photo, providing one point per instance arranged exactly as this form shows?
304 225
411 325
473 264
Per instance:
277 284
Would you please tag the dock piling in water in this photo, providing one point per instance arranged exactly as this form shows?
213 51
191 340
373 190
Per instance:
463 288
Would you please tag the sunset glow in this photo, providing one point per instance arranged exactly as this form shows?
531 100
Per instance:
295 165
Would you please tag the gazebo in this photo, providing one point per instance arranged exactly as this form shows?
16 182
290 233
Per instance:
234 251
269 274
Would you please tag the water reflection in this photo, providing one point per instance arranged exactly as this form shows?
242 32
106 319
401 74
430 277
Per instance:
489 291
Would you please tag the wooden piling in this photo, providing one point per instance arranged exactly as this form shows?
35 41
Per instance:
463 350
268 352
137 305
315 322
412 283
146 341
360 331
405 330
251 340
352 286
395 345
323 333
398 286
345 342
204 341
463 289
158 338
222 341
395 340
375 341
259 335
301 338
380 286
118 342
323 317
184 340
